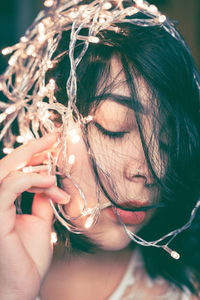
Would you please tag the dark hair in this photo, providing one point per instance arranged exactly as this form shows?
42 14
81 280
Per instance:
168 70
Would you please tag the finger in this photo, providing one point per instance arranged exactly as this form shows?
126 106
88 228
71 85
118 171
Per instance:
18 182
55 193
22 155
42 208
38 158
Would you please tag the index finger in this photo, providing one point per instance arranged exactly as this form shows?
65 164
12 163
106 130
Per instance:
22 155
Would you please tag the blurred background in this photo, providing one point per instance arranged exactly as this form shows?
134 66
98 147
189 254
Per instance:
17 15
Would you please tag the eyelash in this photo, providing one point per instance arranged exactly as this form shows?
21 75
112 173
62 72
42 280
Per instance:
111 134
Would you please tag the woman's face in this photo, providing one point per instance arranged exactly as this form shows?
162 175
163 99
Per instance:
116 147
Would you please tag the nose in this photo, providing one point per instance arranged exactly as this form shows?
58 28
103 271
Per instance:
138 172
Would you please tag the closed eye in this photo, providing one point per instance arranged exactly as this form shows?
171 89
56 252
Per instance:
111 134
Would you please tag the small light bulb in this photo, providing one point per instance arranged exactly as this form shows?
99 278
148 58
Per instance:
52 84
162 18
41 27
102 20
47 22
7 150
71 159
12 60
139 2
175 255
75 139
107 5
87 119
23 39
49 64
153 9
11 109
48 3
89 221
73 14
30 50
6 51
41 38
20 139
54 237
18 79
93 39
28 169
74 136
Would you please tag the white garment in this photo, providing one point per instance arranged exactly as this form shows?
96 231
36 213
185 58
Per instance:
126 288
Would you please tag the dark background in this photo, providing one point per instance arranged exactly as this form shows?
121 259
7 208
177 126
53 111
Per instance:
17 15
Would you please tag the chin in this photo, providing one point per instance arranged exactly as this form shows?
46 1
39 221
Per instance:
112 239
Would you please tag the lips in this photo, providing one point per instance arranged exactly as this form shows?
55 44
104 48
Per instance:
129 217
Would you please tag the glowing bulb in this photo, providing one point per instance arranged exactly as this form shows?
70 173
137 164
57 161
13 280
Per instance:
73 14
18 79
75 138
49 64
88 119
93 39
139 2
48 3
12 60
23 39
162 18
28 169
84 15
41 38
11 109
6 51
71 159
30 50
153 9
175 255
20 139
7 150
52 84
41 27
102 20
47 21
107 6
89 222
54 237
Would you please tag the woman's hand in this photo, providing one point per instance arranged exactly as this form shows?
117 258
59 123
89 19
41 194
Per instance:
25 246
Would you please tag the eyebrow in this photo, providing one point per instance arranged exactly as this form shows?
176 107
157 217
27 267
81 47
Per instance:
124 100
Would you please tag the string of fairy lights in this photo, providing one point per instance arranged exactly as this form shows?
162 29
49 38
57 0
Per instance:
31 100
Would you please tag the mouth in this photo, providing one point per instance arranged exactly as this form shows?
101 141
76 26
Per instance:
128 217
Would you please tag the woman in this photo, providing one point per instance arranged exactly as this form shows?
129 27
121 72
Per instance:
115 85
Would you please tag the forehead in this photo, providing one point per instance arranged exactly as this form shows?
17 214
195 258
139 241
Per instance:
120 91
